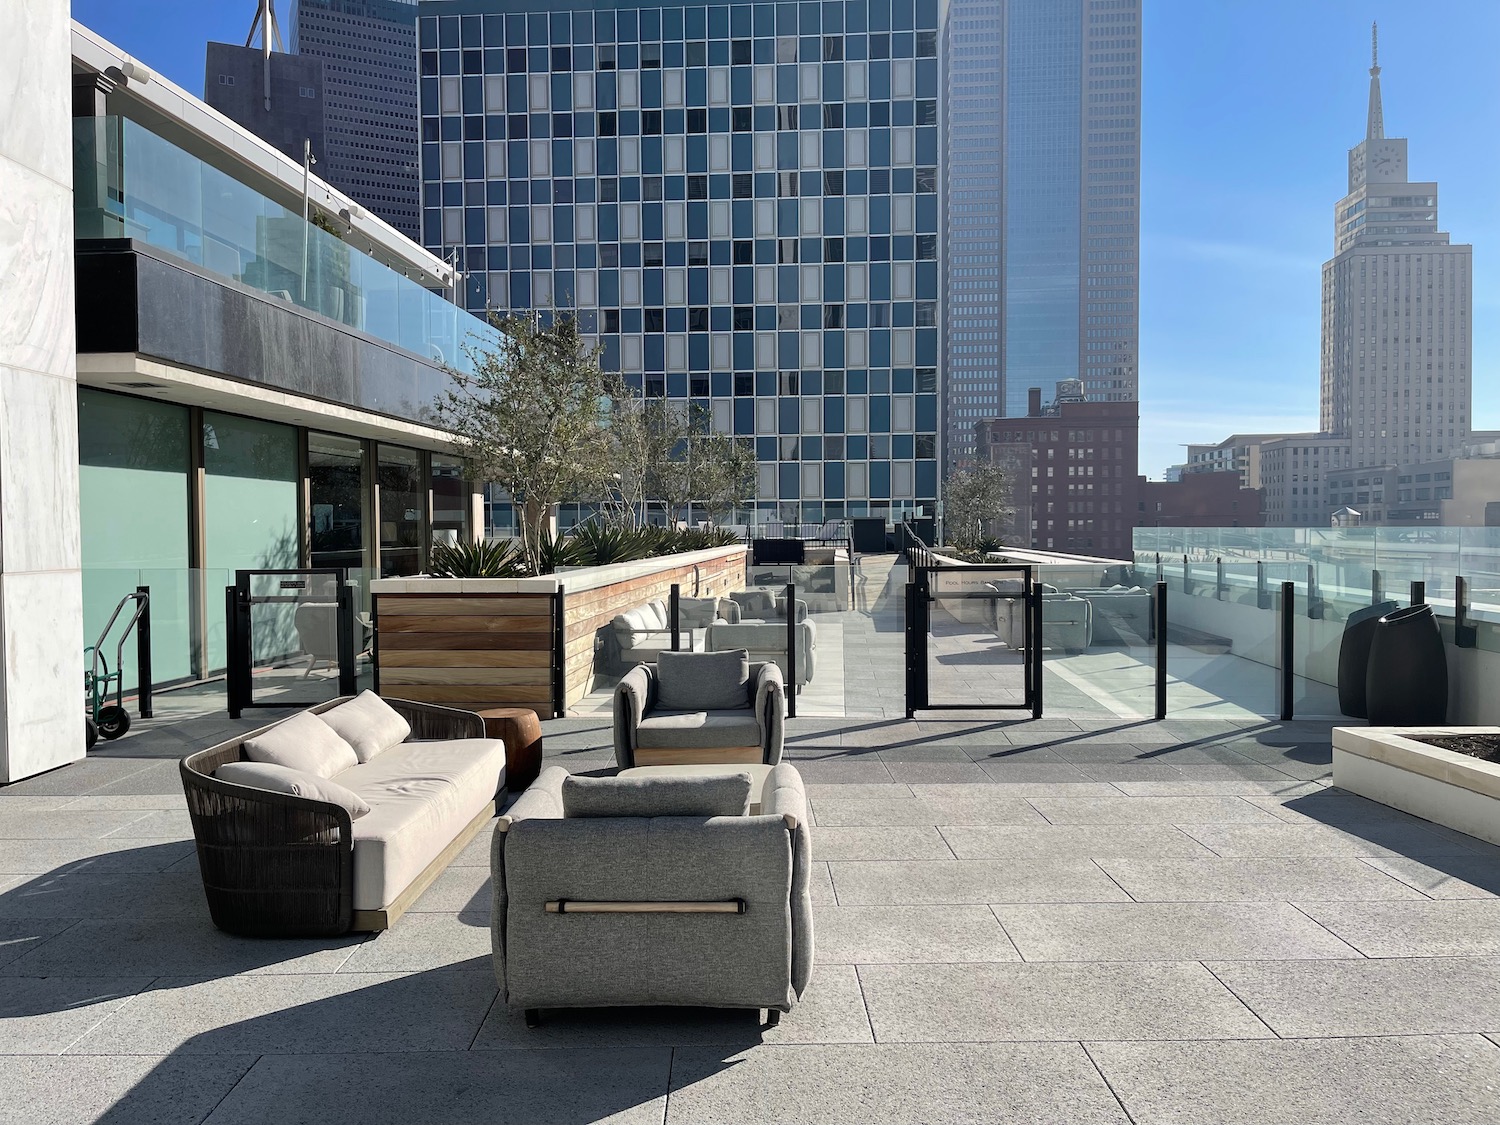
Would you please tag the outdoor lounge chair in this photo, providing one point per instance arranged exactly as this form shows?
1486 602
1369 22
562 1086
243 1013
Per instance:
693 708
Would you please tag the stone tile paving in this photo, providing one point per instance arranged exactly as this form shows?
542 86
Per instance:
1059 921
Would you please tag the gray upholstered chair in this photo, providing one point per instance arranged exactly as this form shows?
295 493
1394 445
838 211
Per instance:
720 916
697 708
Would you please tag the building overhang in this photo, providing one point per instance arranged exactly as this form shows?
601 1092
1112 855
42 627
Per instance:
146 377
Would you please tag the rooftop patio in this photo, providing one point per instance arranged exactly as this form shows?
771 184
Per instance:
1073 919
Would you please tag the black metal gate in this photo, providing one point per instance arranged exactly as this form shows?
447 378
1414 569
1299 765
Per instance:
289 637
973 639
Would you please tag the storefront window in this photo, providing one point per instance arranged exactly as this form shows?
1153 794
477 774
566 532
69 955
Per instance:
403 500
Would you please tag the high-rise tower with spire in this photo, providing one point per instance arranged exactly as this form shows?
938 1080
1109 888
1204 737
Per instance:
1397 304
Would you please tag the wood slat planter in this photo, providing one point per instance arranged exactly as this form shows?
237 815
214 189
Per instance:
530 642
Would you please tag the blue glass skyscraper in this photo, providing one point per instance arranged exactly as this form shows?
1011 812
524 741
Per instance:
740 199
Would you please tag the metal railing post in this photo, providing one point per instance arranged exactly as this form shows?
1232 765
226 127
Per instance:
791 650
1219 587
1286 623
559 654
1314 595
1187 575
1464 634
345 600
143 653
1377 588
232 650
1034 646
1419 593
1262 593
674 598
1159 625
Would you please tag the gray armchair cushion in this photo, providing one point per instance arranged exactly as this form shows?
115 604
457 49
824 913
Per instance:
784 796
770 709
722 795
755 603
697 730
707 681
696 613
635 695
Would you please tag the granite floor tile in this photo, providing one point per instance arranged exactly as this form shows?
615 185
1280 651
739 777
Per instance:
80 891
83 776
463 891
1330 806
1443 876
126 801
1149 810
955 1084
832 1010
927 753
1372 996
1383 1081
175 946
140 857
866 771
420 942
821 884
169 824
968 1003
1193 786
20 937
477 852
45 1015
121 1090
1451 928
1069 841
623 1087
1176 931
61 824
993 786
879 791
921 773
1040 773
861 935
893 842
1228 880
1307 839
972 881
998 809
362 1012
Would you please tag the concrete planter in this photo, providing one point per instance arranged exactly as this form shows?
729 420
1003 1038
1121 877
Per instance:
1447 788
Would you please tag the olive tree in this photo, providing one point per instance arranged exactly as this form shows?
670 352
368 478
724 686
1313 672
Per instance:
533 418
976 499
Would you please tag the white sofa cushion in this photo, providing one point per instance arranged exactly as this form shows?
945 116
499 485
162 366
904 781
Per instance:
303 742
369 724
279 779
421 795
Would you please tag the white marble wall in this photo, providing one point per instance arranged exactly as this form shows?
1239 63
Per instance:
41 601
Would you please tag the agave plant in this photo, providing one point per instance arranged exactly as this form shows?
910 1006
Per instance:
600 545
486 558
557 553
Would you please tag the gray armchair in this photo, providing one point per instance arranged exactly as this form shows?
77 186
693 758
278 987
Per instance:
707 715
720 916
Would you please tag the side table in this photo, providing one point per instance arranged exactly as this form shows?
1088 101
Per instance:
521 732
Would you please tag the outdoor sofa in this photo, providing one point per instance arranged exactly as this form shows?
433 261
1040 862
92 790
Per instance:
642 633
338 817
653 890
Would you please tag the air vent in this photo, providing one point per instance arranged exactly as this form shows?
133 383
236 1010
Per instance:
142 386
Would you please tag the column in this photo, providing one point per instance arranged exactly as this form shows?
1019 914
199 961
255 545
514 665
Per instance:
41 598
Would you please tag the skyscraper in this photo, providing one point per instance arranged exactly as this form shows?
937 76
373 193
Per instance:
1042 197
1396 310
369 54
740 199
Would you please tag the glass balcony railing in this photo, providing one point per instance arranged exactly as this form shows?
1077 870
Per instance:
132 183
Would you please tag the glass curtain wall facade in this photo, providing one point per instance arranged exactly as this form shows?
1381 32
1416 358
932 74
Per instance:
1042 194
148 521
741 200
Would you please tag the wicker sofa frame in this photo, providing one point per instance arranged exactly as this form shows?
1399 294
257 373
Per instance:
275 865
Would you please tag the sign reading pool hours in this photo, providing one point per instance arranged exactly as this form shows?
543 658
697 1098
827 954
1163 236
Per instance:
978 582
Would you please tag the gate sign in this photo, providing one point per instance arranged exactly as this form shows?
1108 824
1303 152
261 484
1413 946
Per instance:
977 582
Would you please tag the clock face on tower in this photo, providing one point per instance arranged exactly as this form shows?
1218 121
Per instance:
1387 161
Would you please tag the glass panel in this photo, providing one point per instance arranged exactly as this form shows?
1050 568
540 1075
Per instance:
976 638
133 510
294 638
139 185
403 500
1098 656
450 500
249 505
336 489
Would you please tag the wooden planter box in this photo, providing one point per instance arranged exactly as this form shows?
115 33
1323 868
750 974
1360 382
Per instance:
1439 785
528 642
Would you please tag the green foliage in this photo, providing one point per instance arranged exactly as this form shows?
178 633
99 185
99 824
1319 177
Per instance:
702 538
554 554
534 419
669 453
977 499
488 558
603 545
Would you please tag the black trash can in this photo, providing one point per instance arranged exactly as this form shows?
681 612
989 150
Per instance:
868 533
1407 682
1354 657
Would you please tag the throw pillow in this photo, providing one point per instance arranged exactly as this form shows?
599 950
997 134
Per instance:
303 742
279 779
369 724
715 795
703 681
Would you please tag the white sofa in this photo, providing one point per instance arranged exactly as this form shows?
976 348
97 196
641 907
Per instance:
642 634
337 818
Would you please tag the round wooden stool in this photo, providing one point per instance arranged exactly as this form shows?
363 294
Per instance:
521 731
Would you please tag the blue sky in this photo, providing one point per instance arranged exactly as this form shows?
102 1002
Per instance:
1250 107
